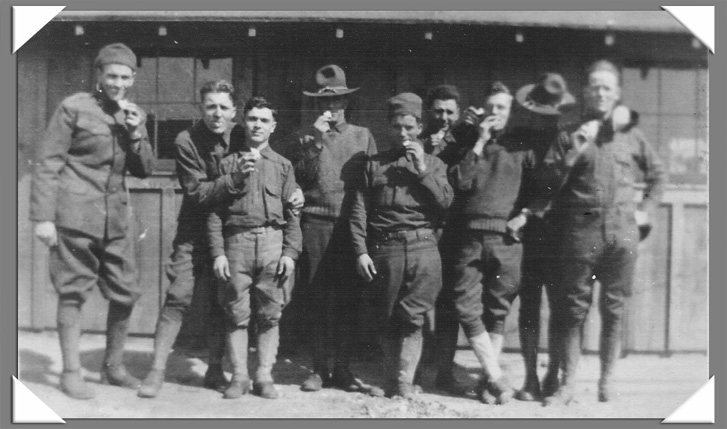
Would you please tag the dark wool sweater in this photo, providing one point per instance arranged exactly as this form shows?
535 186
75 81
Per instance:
488 187
324 174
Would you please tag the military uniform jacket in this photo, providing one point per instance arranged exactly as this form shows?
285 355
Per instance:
80 168
261 201
601 179
393 196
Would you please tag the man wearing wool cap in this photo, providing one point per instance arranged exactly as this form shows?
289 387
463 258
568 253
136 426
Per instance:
403 194
79 203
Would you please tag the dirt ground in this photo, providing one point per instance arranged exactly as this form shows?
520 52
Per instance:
650 386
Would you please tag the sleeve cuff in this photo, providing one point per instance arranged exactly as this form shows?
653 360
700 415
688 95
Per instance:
217 252
291 253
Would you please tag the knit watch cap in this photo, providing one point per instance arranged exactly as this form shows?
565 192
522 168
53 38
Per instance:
115 53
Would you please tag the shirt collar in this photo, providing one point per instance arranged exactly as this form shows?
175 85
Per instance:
221 139
340 127
267 152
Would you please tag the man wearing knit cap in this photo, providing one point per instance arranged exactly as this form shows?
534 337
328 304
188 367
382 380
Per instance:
400 200
328 158
80 203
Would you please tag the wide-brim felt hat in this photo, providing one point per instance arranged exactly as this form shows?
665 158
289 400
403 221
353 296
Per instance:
548 96
331 82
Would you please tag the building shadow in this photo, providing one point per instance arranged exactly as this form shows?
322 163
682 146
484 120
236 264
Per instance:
180 368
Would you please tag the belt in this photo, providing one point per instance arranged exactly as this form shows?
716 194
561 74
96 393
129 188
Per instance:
236 229
405 235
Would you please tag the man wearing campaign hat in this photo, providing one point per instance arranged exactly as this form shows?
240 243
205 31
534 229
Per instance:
542 104
395 210
79 203
328 158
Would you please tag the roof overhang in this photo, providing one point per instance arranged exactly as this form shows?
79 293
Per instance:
657 21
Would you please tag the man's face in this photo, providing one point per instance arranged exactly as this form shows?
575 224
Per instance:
499 106
336 105
218 111
445 113
259 124
403 128
602 92
114 80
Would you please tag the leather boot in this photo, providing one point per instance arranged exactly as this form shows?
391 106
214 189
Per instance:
237 343
494 382
609 350
267 349
390 346
447 332
69 336
570 354
529 344
409 356
214 377
117 329
167 329
321 375
551 381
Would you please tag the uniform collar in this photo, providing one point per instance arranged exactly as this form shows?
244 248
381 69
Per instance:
340 127
105 103
222 139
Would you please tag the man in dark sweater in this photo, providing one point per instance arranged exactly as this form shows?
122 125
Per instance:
448 136
402 197
199 150
328 157
490 212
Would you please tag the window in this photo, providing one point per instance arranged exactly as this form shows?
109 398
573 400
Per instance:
673 109
167 88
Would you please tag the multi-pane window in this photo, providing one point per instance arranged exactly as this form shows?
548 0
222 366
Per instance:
672 104
167 88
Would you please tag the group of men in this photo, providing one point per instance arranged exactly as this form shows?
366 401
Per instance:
464 212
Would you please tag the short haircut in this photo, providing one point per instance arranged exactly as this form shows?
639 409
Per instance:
259 103
605 65
214 86
442 92
498 88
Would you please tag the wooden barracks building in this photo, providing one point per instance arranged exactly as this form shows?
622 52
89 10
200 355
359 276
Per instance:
275 54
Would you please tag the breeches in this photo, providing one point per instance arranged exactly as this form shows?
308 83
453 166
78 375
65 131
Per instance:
407 283
487 279
80 262
254 283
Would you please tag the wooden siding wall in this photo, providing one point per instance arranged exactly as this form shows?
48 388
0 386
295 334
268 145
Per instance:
668 311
